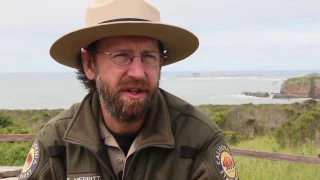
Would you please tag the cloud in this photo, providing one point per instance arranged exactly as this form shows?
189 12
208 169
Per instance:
226 14
245 34
42 14
272 38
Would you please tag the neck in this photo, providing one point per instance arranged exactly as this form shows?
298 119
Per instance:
120 128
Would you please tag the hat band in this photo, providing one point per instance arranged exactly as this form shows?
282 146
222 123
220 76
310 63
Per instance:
123 19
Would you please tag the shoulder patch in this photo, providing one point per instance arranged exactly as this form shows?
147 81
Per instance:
31 162
224 163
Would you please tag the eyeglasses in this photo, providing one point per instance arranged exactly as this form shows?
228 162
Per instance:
150 59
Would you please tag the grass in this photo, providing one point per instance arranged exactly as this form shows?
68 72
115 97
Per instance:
299 80
260 169
13 153
249 127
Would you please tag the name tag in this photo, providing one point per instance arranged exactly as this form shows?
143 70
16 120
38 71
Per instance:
84 176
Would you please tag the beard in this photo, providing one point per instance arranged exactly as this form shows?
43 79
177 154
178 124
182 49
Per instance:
122 108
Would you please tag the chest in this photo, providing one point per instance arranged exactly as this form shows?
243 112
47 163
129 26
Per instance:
150 163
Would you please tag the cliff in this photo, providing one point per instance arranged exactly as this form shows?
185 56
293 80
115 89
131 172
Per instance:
301 87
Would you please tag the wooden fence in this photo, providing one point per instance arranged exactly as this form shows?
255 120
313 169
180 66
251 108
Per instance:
235 152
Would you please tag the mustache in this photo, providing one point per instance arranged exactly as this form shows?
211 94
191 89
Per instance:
134 84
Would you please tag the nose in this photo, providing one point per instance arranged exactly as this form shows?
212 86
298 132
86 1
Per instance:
136 68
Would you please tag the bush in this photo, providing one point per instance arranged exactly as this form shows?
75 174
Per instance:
287 109
14 154
231 137
251 122
5 121
219 117
35 117
311 102
259 129
296 133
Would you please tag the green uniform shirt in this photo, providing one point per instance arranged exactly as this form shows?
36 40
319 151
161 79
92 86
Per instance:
177 141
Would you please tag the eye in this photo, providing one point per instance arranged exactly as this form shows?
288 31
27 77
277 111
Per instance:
121 58
151 59
148 56
120 55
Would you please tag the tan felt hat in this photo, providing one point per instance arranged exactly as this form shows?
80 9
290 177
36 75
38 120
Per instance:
107 18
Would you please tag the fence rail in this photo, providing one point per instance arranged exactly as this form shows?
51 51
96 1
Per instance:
276 156
17 137
235 152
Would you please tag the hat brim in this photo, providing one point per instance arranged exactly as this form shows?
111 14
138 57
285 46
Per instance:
179 43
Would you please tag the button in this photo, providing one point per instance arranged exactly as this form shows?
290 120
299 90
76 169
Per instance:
120 160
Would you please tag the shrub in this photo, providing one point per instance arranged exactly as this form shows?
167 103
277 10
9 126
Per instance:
287 109
231 137
219 117
14 154
35 117
311 102
296 133
299 80
259 129
251 122
5 121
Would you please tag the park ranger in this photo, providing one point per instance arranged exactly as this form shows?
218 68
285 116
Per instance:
127 127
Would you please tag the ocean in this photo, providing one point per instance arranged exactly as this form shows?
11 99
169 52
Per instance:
61 90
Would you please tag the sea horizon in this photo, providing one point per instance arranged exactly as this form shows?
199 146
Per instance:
56 90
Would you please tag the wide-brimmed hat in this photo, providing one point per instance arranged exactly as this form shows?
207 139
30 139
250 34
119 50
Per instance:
108 18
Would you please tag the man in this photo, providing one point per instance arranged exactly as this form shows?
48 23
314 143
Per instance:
127 127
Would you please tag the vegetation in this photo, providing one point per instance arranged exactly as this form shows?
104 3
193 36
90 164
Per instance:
292 125
25 121
20 122
299 80
253 168
13 153
286 128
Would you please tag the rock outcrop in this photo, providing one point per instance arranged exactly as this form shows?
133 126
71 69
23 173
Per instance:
256 94
301 87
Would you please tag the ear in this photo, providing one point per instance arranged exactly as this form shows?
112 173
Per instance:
88 64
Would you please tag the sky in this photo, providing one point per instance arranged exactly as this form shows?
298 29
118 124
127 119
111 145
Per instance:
234 35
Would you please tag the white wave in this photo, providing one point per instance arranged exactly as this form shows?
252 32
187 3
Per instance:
216 97
194 78
242 96
238 96
275 79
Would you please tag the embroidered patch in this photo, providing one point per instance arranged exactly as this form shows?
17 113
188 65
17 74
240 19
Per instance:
225 163
31 162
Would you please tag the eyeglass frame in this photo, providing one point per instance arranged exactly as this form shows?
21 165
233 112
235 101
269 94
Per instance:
162 57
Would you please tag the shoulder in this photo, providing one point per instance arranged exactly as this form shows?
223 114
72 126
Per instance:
192 118
51 134
56 127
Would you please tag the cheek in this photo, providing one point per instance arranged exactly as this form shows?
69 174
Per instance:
111 74
153 77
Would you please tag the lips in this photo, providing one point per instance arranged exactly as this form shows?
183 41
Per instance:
134 92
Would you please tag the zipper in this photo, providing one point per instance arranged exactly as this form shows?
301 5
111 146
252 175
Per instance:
135 155
97 157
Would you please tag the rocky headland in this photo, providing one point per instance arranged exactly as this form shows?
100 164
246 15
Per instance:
300 87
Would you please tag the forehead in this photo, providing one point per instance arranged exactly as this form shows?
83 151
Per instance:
128 42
